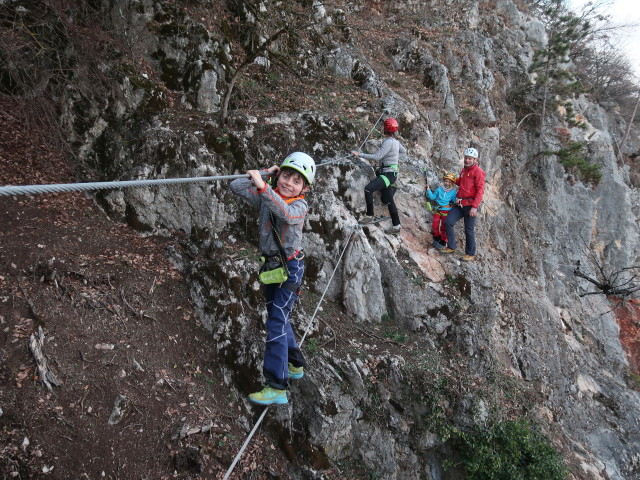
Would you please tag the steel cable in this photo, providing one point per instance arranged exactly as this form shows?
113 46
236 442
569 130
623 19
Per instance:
79 187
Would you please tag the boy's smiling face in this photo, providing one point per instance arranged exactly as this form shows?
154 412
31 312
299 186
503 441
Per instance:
448 183
291 183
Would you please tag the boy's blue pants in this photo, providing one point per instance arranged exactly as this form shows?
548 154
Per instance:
281 347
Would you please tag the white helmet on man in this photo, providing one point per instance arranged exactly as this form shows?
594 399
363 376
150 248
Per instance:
471 152
302 163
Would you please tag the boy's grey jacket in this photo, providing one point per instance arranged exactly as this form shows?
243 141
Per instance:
388 154
289 217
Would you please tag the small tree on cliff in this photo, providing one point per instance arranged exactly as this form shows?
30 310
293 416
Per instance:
554 80
264 31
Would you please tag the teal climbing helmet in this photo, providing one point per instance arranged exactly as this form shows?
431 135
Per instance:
302 163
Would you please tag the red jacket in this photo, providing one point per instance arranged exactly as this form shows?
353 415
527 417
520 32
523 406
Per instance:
471 186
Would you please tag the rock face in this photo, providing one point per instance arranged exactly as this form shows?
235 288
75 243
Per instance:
515 316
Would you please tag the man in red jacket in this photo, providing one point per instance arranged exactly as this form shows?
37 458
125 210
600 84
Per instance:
470 190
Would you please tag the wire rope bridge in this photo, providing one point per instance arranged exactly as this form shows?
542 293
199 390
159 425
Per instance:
90 186
13 190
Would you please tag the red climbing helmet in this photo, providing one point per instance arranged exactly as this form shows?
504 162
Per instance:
390 125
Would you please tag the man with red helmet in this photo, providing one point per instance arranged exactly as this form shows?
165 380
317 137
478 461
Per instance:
387 157
470 191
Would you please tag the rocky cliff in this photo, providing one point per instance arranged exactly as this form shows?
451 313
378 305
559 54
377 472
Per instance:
409 345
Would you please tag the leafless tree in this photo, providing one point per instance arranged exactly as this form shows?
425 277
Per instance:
622 283
266 35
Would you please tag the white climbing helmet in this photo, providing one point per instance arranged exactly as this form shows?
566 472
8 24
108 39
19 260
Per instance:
471 152
303 163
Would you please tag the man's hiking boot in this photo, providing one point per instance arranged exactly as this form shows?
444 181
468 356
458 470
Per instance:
269 396
295 372
468 258
393 230
447 250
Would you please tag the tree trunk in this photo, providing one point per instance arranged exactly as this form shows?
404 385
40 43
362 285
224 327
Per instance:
628 131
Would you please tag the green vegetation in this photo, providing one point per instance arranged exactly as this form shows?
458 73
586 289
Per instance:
415 276
510 450
390 330
572 118
553 79
394 334
634 381
352 469
451 280
312 346
571 158
556 83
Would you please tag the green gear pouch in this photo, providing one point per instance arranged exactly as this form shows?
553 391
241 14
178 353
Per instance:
429 206
385 180
279 274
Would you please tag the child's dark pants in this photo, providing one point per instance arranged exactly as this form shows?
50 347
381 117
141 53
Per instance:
281 347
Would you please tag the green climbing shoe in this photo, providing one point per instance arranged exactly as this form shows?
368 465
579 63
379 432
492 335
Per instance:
269 396
295 372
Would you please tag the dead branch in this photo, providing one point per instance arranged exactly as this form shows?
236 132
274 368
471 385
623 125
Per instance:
607 286
36 345
186 431
32 308
379 338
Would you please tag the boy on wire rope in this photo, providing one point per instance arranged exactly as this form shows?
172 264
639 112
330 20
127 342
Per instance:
281 218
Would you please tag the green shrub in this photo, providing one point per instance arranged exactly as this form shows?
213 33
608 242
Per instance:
572 160
510 450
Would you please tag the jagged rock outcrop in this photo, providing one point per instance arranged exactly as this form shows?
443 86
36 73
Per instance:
513 317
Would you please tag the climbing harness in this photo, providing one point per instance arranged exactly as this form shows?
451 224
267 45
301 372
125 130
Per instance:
310 323
479 209
387 169
439 209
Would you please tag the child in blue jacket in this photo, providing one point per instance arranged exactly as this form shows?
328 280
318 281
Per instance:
444 198
281 218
